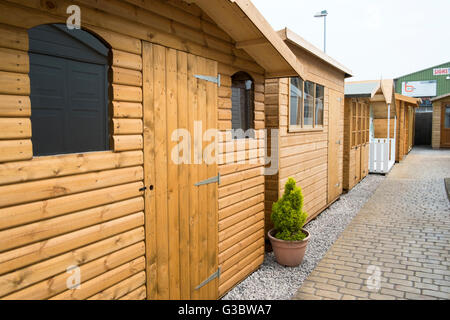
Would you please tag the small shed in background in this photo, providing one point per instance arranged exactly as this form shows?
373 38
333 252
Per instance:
441 122
406 119
383 122
357 131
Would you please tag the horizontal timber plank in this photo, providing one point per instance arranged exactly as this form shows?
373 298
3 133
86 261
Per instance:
14 150
122 288
45 189
15 128
58 283
127 142
48 268
126 60
15 106
103 281
12 60
126 76
63 165
138 294
126 93
13 38
35 211
16 237
127 126
39 251
14 83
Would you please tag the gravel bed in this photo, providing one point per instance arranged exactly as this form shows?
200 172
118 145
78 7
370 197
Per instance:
274 282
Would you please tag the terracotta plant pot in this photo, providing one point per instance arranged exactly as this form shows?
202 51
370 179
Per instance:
288 253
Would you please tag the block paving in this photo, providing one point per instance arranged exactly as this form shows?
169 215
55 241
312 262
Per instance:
398 246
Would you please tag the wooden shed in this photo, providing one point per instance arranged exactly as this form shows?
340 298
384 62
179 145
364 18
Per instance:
382 130
441 122
357 132
406 119
88 185
308 112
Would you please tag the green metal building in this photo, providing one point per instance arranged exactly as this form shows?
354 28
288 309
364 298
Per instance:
425 84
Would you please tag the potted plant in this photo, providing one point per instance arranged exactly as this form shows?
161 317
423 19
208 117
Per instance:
288 238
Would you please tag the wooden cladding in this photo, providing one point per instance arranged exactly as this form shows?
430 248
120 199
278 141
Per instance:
15 108
356 141
88 209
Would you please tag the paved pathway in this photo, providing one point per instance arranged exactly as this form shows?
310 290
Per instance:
398 246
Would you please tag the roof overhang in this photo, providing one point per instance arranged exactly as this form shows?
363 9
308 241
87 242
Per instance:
291 37
253 34
441 97
410 100
362 89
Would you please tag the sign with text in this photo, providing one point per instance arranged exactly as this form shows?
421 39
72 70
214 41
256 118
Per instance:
418 89
441 71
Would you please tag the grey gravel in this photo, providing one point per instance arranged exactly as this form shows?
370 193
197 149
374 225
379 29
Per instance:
274 282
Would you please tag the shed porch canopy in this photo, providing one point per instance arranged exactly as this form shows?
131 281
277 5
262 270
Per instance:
252 33
291 37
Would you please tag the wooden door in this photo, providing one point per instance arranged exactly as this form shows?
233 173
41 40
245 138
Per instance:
445 126
335 143
358 168
181 218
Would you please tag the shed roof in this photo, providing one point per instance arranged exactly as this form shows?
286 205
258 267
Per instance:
288 35
441 97
252 33
361 89
410 100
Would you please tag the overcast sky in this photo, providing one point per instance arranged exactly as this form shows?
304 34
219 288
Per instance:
373 38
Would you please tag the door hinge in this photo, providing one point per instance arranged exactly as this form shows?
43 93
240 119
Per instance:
211 278
209 78
209 181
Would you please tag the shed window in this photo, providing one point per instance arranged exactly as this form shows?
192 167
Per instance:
69 91
447 117
243 104
320 101
306 105
296 101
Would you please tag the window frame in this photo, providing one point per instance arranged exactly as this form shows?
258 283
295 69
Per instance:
302 127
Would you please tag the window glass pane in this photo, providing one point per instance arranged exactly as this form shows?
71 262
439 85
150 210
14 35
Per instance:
296 88
242 104
69 91
309 104
447 117
320 98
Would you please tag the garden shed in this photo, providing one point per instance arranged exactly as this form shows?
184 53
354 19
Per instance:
357 132
308 111
406 119
88 184
382 130
441 122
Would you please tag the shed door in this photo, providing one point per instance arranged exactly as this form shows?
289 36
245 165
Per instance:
445 126
335 143
181 218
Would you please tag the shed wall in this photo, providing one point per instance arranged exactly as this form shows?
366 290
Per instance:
86 209
302 155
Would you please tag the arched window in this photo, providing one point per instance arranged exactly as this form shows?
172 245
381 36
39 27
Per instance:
69 90
243 104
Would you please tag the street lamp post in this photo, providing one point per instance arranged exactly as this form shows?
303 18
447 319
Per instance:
323 14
